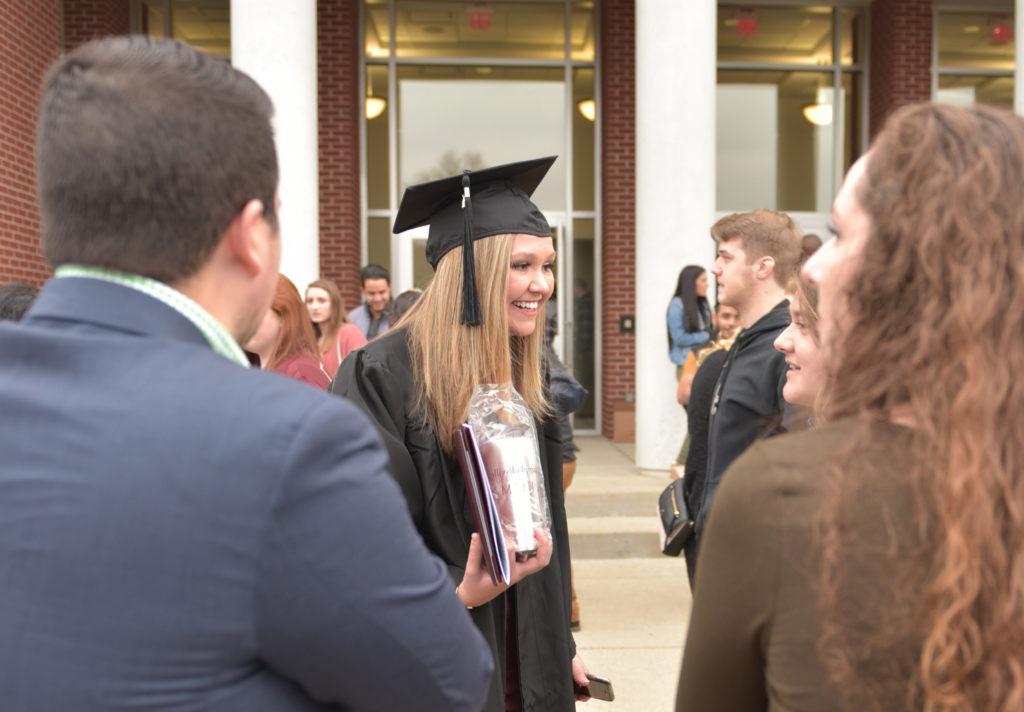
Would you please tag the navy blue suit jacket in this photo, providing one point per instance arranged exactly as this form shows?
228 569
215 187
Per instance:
178 532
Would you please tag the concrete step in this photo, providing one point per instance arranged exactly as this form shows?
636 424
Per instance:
612 507
612 504
614 537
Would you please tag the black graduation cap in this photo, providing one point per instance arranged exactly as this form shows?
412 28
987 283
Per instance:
471 206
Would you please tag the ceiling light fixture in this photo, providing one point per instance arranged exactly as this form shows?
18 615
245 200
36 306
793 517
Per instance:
588 109
818 114
375 107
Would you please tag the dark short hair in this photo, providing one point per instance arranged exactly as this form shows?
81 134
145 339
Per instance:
146 151
372 271
404 302
15 299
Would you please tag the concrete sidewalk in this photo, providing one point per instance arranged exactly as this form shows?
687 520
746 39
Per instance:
635 602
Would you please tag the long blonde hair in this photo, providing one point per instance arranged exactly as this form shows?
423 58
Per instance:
451 359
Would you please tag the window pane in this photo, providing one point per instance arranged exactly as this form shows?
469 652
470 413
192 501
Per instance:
377 36
582 302
967 91
582 40
378 242
377 136
583 117
852 117
777 35
455 118
976 40
436 28
851 35
774 140
422 272
152 18
204 24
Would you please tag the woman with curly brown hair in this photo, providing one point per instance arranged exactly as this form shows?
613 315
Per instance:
877 562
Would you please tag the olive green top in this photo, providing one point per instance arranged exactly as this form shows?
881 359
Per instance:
753 632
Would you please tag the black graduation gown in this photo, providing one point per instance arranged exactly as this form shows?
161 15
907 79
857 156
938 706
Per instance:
379 378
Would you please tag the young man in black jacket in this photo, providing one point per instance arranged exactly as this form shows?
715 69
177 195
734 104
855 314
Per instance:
758 254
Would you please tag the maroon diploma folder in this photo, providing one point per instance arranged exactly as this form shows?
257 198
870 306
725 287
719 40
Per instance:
481 503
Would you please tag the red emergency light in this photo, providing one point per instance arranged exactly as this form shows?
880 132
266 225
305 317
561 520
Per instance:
746 25
479 16
1001 32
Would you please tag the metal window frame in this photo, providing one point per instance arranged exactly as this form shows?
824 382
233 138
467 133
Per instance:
133 17
960 7
598 216
836 68
569 214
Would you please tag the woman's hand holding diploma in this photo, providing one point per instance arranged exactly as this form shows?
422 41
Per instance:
477 588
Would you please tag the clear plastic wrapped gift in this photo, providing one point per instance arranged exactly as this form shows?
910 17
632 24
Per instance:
503 427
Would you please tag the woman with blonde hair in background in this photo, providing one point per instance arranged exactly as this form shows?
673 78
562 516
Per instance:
874 563
284 340
336 337
480 321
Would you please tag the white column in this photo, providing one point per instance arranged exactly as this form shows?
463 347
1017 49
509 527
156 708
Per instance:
1018 75
274 41
675 197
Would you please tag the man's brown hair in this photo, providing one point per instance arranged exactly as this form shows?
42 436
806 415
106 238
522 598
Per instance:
146 151
764 233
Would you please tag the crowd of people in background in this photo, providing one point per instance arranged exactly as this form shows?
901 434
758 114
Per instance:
740 390
180 531
304 339
307 339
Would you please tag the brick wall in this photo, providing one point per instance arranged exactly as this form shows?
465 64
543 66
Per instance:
31 32
339 106
85 20
618 202
901 56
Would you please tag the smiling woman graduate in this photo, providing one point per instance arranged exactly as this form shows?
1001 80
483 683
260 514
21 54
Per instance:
478 323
